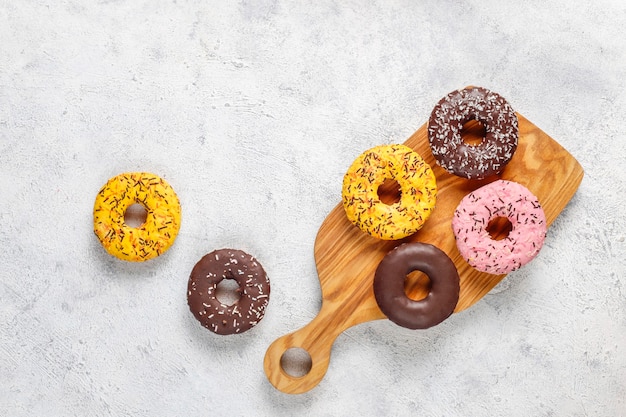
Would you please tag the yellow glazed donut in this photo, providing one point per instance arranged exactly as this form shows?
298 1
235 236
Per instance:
418 189
160 228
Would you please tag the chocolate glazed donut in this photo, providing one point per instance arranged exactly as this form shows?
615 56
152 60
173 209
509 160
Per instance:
389 285
497 147
254 291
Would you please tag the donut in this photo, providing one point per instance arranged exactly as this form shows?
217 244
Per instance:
476 210
254 291
160 228
493 153
389 290
418 188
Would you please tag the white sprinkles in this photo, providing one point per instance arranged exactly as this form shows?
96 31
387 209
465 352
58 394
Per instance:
501 133
254 291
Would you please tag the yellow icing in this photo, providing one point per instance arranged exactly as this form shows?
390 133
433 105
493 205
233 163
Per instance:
162 223
360 192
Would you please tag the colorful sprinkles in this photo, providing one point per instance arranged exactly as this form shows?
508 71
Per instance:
501 133
417 185
254 291
499 199
158 232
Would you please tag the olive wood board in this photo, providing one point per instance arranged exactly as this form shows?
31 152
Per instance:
346 258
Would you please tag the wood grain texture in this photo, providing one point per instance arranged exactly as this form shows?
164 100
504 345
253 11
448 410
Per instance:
347 258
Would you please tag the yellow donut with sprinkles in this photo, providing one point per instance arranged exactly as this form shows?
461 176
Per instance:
360 192
160 228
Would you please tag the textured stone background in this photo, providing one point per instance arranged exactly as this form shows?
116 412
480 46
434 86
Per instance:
253 111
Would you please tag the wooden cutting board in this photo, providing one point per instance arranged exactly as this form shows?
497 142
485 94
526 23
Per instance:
347 258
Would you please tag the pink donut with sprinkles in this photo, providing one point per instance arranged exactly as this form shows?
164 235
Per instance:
476 210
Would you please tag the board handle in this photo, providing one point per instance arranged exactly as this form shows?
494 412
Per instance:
316 338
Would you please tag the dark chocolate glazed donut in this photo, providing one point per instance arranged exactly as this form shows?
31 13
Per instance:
254 291
389 285
490 156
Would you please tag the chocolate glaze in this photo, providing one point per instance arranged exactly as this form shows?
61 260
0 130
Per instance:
254 290
501 133
389 285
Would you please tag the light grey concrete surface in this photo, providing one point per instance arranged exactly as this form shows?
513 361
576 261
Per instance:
253 111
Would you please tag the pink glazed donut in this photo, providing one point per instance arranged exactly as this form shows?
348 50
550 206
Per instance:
499 199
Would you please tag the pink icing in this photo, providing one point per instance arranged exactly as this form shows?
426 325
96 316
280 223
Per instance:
499 199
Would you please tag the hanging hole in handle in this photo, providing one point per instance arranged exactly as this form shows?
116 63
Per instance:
296 362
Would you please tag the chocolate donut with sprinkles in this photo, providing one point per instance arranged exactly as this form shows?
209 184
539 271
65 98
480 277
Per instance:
418 192
253 291
160 227
506 199
496 149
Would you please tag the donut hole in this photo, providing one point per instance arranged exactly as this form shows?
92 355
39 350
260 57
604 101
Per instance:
135 215
499 228
296 362
227 291
416 285
389 192
473 132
